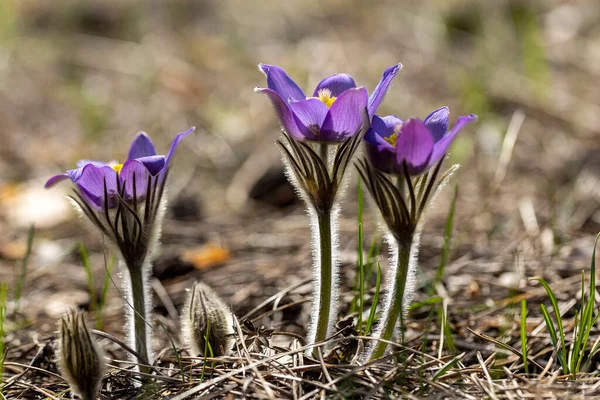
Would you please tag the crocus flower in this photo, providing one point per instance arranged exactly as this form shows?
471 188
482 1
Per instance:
392 142
90 177
334 111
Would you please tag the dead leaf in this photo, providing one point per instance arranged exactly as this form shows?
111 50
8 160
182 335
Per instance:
206 256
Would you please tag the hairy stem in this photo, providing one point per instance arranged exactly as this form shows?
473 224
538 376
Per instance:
140 331
396 286
326 277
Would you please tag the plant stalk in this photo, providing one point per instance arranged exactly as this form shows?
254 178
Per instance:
140 313
394 312
325 276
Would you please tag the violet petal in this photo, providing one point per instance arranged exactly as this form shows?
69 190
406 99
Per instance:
91 185
345 116
311 112
414 145
154 164
336 84
441 147
280 82
382 87
437 122
55 179
83 163
382 128
141 146
137 168
288 119
174 145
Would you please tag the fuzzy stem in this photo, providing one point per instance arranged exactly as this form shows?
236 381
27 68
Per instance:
141 333
326 277
395 301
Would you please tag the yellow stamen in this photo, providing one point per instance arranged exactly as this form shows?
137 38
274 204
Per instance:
326 97
394 136
117 167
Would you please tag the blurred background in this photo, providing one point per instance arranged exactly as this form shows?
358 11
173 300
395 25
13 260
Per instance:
79 79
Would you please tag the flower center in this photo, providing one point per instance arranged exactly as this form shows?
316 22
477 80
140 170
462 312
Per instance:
326 97
394 136
117 167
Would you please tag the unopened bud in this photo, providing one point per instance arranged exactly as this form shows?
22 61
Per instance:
80 360
206 317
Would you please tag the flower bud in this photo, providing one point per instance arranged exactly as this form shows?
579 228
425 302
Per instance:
80 360
206 316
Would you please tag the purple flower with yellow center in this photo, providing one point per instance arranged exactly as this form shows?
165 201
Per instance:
126 203
392 142
91 177
334 111
398 152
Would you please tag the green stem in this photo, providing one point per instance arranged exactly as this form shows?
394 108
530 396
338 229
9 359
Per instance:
395 304
325 276
141 330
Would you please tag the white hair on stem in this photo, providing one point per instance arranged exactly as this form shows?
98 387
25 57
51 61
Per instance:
125 274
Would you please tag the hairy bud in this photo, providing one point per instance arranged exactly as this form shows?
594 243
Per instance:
80 360
206 317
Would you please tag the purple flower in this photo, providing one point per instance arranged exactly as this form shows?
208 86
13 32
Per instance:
421 144
332 114
131 177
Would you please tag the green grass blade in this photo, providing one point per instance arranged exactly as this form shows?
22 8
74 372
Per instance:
175 351
447 238
427 302
207 349
588 321
20 283
373 311
524 334
90 277
554 338
446 367
558 319
357 301
361 277
549 325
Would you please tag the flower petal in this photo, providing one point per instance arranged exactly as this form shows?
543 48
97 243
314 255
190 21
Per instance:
382 128
311 112
336 84
55 179
441 147
381 89
174 145
154 164
280 82
437 122
288 119
141 146
83 163
135 168
345 116
91 185
414 145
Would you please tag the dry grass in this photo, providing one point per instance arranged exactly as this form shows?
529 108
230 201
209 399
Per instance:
73 84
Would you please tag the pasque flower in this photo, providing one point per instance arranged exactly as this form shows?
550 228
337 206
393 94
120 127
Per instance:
334 111
126 203
335 117
142 163
404 160
392 142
